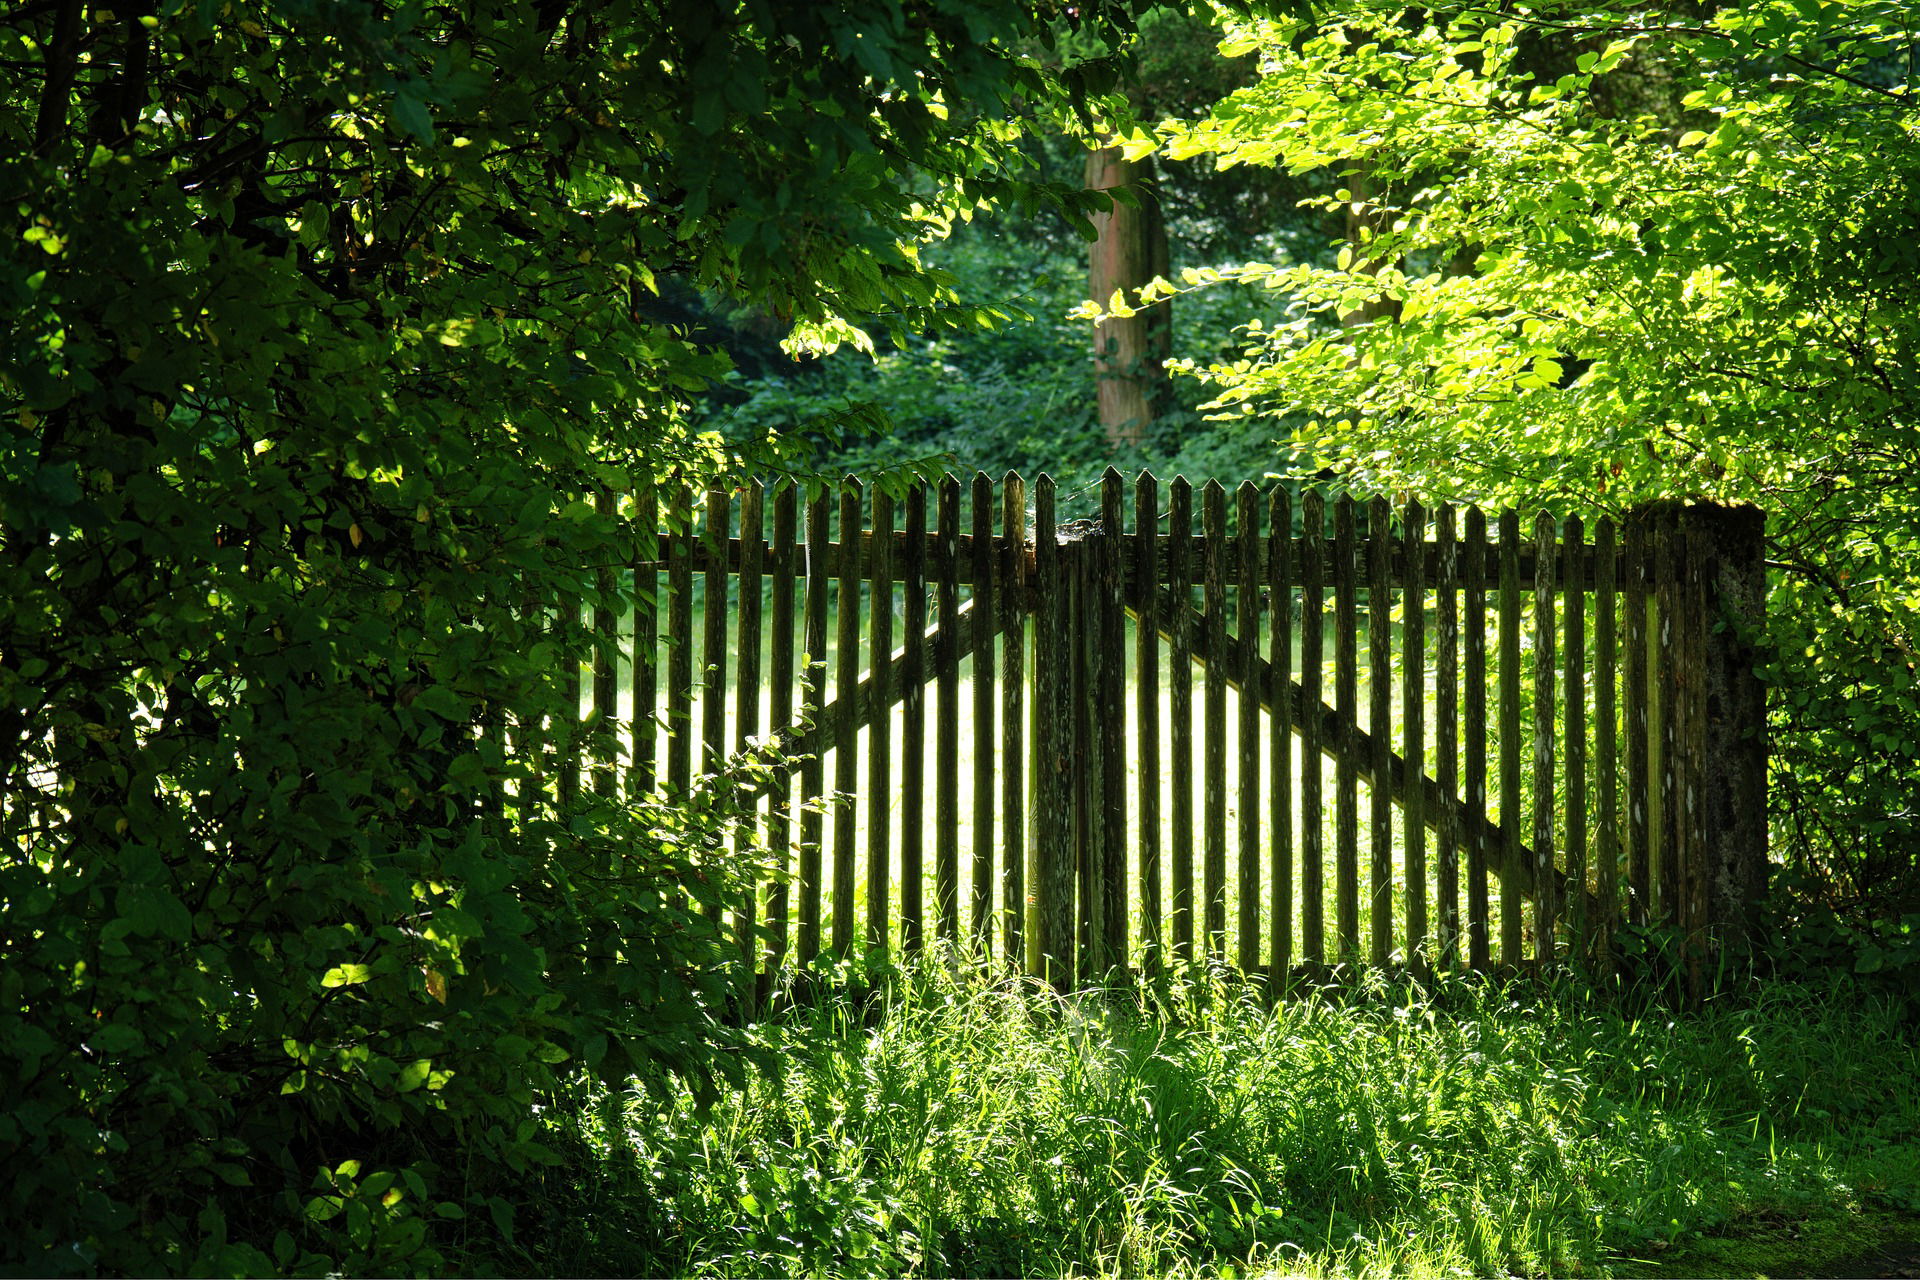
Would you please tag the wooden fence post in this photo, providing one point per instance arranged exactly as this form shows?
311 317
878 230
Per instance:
1050 886
1730 544
1110 724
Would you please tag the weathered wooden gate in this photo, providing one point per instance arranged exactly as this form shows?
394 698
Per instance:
1543 733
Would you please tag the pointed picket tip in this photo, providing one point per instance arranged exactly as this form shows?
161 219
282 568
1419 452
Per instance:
1043 515
1112 475
1214 486
1280 511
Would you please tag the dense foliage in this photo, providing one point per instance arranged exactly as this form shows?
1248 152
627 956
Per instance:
1610 254
332 330
1014 397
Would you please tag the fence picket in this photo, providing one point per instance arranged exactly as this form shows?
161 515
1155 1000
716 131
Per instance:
1574 699
1545 906
1180 712
847 725
746 697
1446 733
530 730
880 735
1667 827
680 643
946 794
1313 864
1013 614
1639 731
1692 738
1379 725
780 711
983 705
1246 656
913 724
713 645
1146 667
1510 816
1280 741
1082 680
646 649
565 737
1479 922
606 667
1605 739
1213 515
1053 867
813 768
1413 706
1110 730
1346 699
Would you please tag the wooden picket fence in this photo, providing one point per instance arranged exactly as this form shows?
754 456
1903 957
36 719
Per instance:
1288 743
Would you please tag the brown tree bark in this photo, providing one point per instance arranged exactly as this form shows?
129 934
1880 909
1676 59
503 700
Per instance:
1366 220
1130 249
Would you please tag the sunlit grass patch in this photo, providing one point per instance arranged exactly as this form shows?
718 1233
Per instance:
962 1126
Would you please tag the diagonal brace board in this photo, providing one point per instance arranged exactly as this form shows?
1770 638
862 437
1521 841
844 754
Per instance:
1340 737
811 732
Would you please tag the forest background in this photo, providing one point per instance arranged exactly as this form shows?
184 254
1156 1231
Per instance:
326 322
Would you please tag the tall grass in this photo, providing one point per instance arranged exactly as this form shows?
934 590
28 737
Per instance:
960 1126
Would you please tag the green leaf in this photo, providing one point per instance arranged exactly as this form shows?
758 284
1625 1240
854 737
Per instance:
116 1038
501 1211
346 975
324 1208
411 116
441 701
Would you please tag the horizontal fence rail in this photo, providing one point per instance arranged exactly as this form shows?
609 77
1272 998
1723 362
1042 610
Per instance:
1257 728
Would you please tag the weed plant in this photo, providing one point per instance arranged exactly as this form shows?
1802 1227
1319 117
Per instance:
949 1124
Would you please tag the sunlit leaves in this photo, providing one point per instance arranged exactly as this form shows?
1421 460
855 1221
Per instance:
1656 256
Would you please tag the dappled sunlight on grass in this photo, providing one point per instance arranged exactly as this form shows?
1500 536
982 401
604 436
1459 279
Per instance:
960 1126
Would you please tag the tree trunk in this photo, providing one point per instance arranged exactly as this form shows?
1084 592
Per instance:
1365 221
1130 355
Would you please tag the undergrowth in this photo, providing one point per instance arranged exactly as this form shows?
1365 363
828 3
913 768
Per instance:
953 1125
